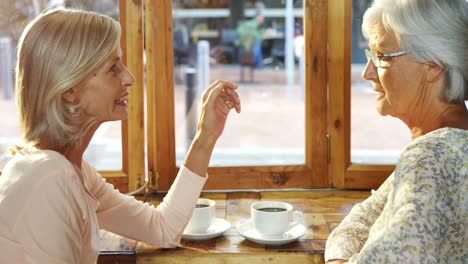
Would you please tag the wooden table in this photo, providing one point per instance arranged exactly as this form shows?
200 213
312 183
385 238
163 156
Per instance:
323 211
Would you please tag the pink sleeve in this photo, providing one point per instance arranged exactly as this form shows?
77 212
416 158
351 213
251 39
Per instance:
162 226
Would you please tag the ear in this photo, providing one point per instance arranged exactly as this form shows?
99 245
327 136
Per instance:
434 72
71 95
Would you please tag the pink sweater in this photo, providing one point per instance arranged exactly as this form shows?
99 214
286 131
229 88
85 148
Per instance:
51 214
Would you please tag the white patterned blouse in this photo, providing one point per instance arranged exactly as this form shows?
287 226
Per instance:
419 214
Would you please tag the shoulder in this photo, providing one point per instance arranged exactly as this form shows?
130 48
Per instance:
36 180
38 159
32 169
446 146
435 162
91 176
430 177
449 138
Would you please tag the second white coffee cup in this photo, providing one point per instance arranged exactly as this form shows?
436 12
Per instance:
202 217
271 218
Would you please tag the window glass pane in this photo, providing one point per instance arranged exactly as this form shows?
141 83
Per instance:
375 139
105 150
221 40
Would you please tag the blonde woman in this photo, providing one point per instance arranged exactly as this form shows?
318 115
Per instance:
70 79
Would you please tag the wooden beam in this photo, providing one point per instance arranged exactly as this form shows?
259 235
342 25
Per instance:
160 93
315 48
339 29
133 136
259 257
259 177
367 176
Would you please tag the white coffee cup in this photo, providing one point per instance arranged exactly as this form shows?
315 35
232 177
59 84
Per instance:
272 218
202 217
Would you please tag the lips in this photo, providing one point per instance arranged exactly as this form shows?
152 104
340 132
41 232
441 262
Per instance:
377 88
121 99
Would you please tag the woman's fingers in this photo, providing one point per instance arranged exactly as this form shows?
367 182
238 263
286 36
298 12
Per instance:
218 100
234 99
225 91
223 107
228 86
231 101
211 94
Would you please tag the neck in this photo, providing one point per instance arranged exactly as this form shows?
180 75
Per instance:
73 152
438 116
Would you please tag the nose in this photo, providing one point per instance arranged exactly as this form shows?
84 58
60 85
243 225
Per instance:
127 78
370 72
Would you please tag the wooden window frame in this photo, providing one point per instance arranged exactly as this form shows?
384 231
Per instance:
327 31
160 95
132 175
343 173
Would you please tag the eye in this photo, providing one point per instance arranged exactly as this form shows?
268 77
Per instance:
383 58
113 68
116 68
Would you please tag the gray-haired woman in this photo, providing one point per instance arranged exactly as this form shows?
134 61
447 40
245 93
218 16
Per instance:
418 64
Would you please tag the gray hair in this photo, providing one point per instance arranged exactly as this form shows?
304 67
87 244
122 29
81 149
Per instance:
433 31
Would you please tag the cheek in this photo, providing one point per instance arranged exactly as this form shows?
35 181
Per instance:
387 80
395 81
88 105
94 102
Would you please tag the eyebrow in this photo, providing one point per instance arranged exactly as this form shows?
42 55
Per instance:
110 62
378 43
116 59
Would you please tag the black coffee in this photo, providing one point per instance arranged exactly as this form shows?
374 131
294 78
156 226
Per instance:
272 209
201 205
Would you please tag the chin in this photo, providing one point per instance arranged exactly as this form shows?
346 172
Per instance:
382 110
381 113
378 108
120 116
117 118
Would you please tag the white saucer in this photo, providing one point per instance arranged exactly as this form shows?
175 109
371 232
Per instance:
216 228
247 230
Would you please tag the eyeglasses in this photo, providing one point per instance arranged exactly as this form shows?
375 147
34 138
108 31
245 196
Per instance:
381 59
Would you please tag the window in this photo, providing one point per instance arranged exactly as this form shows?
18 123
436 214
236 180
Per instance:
254 46
239 162
343 171
328 159
327 108
374 139
299 119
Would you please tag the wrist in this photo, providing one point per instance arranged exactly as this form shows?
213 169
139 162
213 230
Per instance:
199 154
203 141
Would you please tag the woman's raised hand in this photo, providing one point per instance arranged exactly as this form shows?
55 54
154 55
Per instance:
217 101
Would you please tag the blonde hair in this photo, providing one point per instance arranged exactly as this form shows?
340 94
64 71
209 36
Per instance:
56 51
